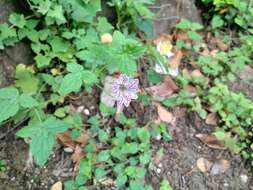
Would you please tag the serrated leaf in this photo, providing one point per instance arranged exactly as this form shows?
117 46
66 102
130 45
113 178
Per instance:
42 61
42 146
121 180
84 12
8 103
71 83
57 14
103 25
58 44
26 80
100 173
17 20
28 131
43 137
89 77
27 101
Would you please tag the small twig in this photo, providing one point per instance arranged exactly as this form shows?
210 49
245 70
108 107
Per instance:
166 18
161 6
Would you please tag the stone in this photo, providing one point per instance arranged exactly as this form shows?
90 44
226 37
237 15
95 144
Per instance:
169 12
243 82
20 53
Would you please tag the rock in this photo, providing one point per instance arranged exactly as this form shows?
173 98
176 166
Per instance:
243 82
11 56
169 12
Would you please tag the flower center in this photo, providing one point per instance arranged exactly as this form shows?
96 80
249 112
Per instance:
122 87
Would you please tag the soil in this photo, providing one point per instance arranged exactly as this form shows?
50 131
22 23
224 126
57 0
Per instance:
178 163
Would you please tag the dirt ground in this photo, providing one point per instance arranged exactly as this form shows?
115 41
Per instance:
178 163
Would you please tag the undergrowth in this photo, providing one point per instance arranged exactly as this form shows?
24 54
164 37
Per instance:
75 50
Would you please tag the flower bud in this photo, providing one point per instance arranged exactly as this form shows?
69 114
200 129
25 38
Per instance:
106 38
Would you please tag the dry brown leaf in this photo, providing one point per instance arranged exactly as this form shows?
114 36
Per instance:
220 44
107 182
211 141
214 52
212 119
57 186
204 165
192 90
162 37
167 88
65 139
163 114
83 138
77 155
196 73
176 59
220 166
181 35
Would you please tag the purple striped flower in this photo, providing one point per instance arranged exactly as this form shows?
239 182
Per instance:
125 89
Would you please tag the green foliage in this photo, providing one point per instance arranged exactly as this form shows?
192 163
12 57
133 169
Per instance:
227 12
165 185
236 113
42 135
3 165
69 57
137 12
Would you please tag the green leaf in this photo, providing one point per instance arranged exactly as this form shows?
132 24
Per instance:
17 20
26 80
103 156
165 185
103 25
42 146
58 44
28 131
43 137
42 61
84 12
217 22
74 68
71 83
184 24
89 77
102 136
8 103
194 36
27 101
121 180
220 135
57 14
100 173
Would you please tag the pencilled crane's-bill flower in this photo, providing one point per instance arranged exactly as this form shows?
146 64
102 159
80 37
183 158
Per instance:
124 90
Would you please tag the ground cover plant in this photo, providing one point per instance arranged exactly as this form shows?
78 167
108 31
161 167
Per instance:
78 52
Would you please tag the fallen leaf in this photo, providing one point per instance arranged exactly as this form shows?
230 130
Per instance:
212 119
83 138
219 167
220 44
65 139
181 35
204 165
107 182
57 186
162 37
176 60
211 141
163 114
192 90
167 88
77 155
196 73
